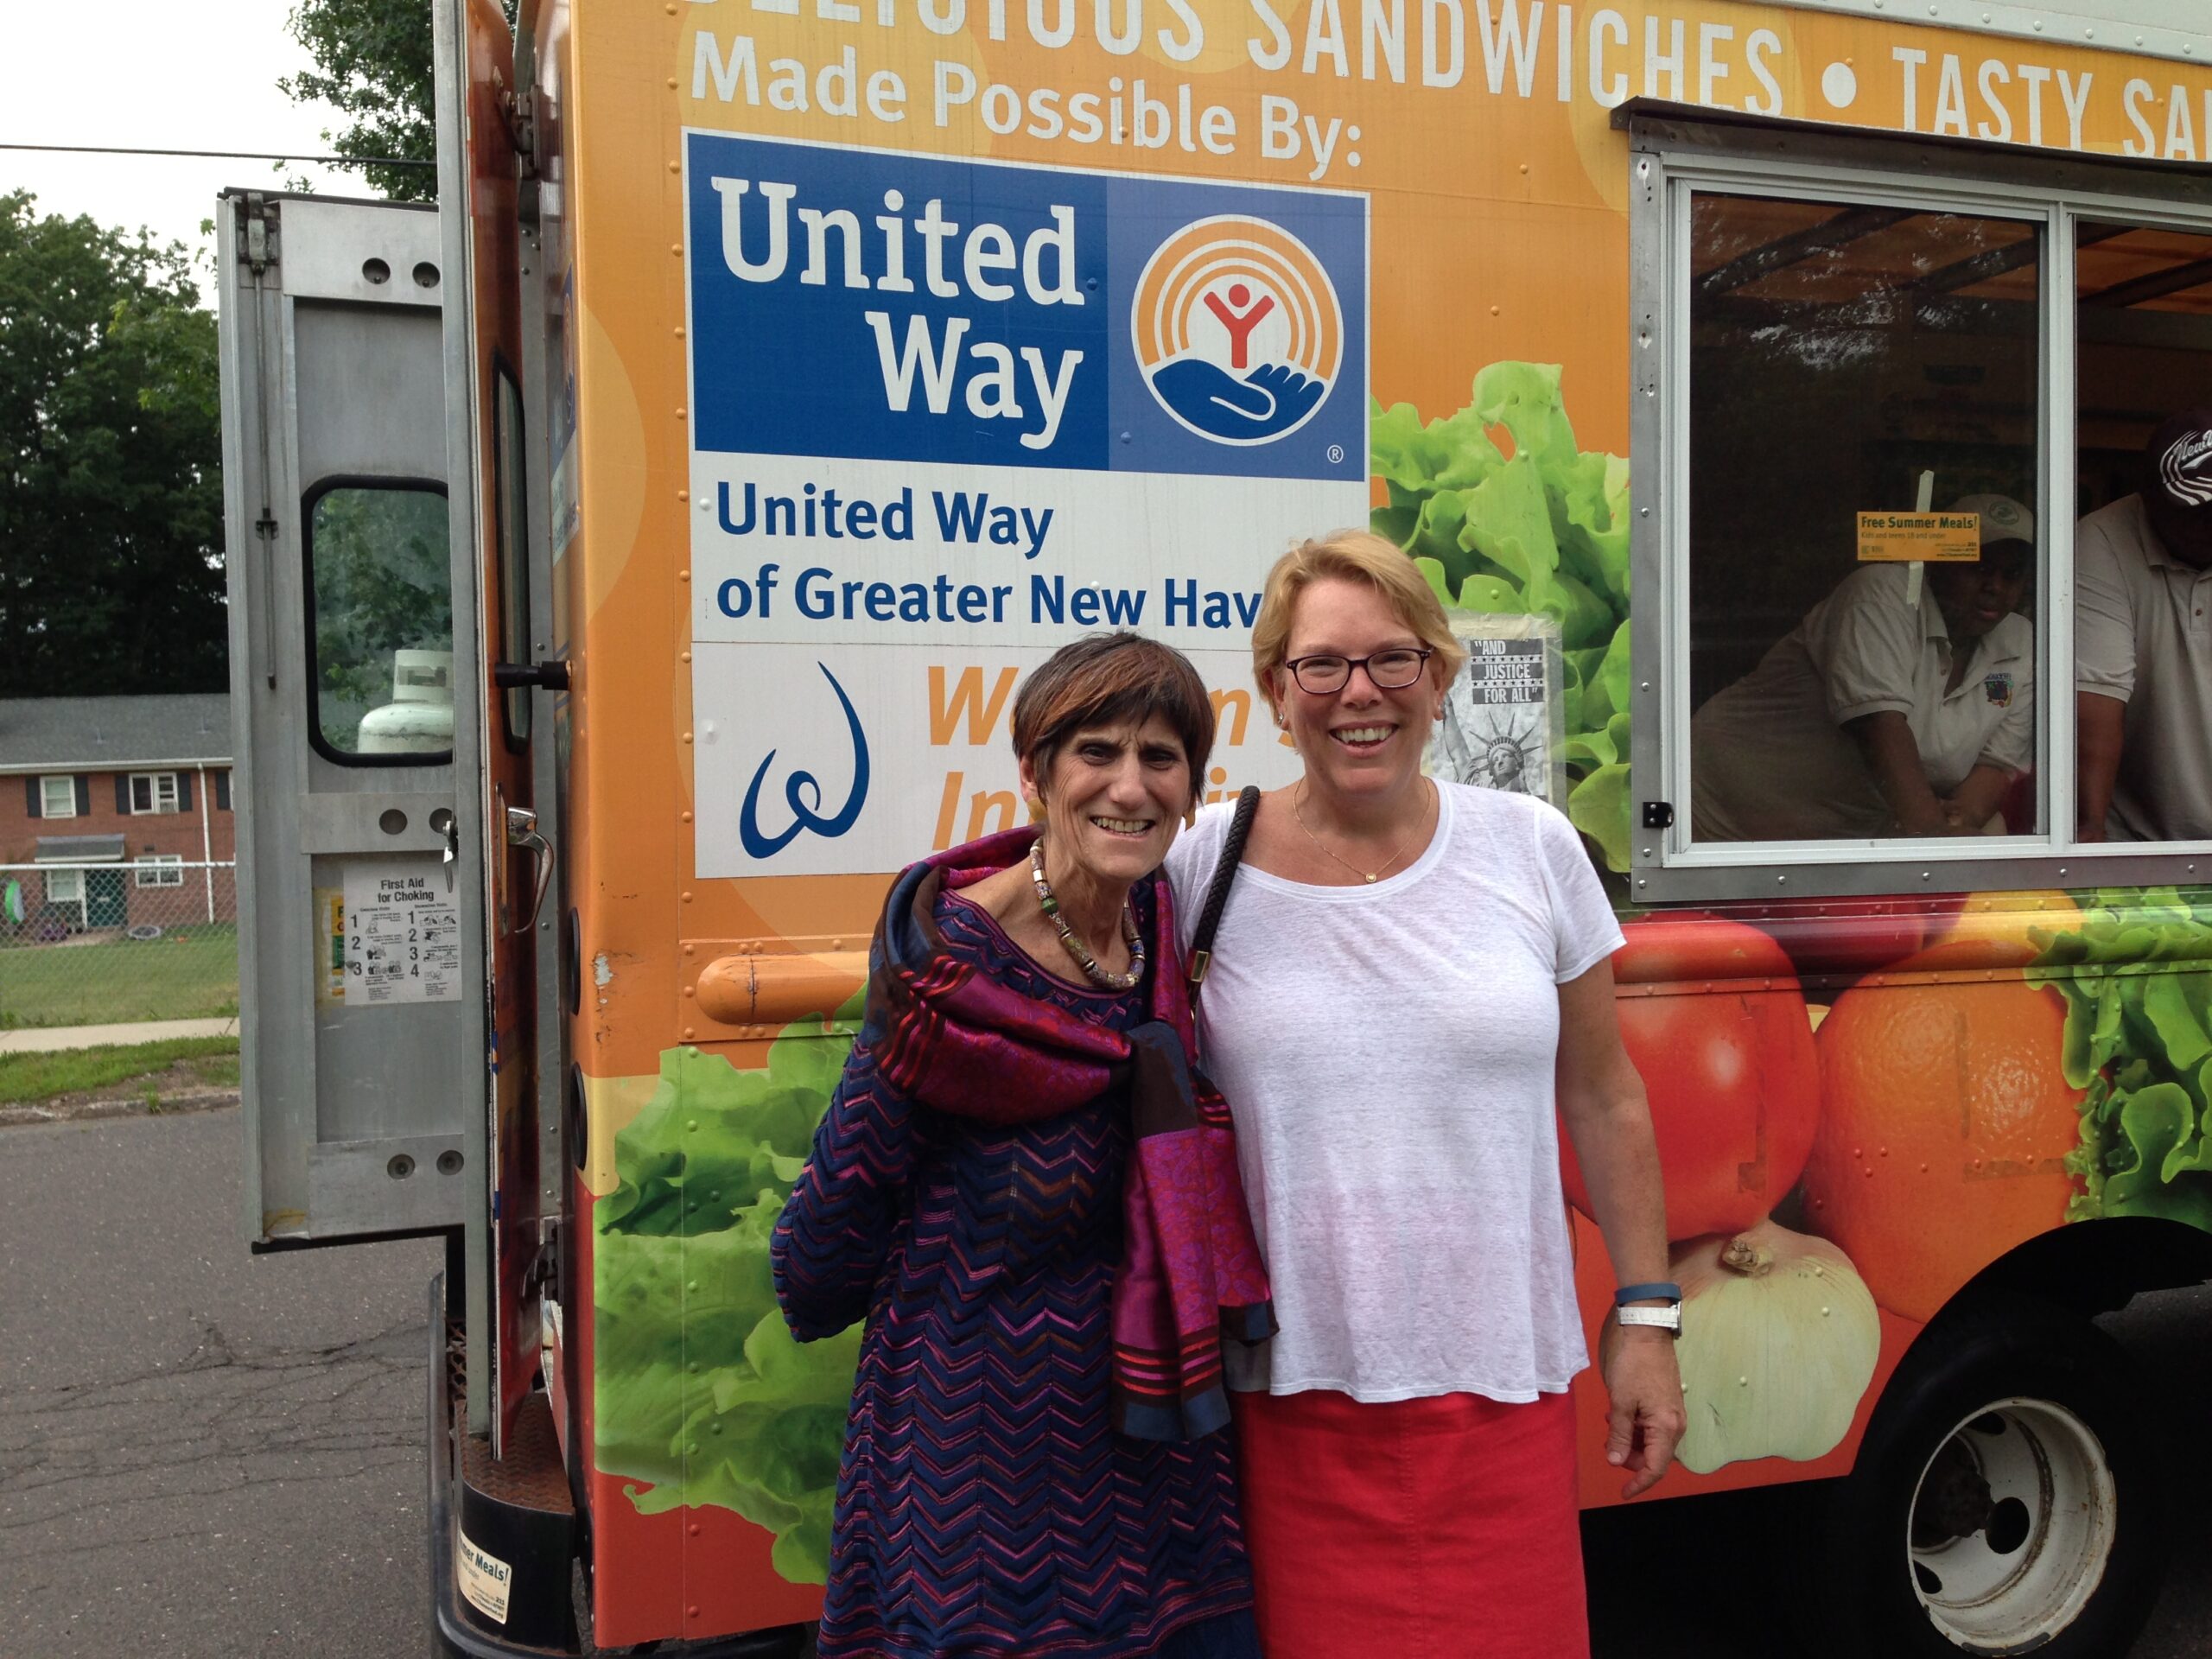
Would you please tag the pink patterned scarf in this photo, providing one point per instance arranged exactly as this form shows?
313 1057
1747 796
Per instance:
958 1039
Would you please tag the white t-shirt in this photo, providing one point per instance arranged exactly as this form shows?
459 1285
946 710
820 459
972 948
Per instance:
1770 760
1388 1052
2142 635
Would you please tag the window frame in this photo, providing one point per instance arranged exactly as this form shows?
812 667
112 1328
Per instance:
46 783
75 873
154 808
1675 152
309 499
150 863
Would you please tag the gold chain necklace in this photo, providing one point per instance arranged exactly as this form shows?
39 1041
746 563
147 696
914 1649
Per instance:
1376 875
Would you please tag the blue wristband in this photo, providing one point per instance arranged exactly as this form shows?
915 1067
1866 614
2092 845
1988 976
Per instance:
1628 1293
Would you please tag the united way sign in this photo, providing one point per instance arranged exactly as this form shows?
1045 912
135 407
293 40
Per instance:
856 303
954 405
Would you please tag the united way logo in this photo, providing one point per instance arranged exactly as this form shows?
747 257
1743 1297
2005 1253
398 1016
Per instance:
1237 329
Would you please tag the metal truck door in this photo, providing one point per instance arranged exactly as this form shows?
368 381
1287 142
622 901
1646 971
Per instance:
356 958
479 114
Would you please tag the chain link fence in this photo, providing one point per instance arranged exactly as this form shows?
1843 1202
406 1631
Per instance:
96 945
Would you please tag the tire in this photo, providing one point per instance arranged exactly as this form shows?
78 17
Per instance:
2007 1498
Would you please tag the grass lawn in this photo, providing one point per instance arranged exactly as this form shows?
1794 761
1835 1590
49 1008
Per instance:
211 1062
190 973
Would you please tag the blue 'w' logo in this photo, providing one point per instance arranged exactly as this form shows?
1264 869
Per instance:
803 792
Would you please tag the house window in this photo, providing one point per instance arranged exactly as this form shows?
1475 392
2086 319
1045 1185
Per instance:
155 792
160 870
64 886
1900 413
57 796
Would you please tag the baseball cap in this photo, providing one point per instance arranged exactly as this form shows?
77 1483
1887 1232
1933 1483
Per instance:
2003 520
2180 454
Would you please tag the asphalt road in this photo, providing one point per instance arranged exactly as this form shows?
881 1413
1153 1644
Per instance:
201 1452
207 1453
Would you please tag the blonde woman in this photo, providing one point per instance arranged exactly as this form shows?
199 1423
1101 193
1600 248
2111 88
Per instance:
1411 988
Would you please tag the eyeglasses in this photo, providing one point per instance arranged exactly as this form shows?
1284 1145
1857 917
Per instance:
1387 670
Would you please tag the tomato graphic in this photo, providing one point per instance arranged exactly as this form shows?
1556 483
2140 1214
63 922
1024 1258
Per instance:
1712 1014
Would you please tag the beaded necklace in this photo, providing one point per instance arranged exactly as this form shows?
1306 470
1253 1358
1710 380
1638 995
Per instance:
1051 905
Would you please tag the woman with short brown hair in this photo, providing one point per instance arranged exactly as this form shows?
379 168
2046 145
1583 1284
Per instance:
1030 1198
1412 978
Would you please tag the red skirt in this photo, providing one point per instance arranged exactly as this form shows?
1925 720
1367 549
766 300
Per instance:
1444 1527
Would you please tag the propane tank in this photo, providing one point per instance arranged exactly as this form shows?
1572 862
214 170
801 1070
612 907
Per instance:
419 718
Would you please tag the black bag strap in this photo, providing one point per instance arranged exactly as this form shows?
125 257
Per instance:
1224 876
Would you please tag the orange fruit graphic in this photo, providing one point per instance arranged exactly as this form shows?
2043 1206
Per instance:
1994 917
1945 1120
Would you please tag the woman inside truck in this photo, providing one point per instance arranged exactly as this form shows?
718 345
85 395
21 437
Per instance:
1410 991
1897 707
1032 1200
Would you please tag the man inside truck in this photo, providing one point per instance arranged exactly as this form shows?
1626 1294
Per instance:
2142 647
1901 705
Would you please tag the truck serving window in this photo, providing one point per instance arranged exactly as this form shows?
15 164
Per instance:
380 623
2142 548
1915 473
1863 486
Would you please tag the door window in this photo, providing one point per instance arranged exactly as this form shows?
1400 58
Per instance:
380 625
510 509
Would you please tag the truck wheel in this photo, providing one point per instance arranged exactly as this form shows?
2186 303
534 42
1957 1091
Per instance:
2007 1497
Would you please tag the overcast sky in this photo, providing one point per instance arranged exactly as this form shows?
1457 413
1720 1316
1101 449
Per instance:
170 74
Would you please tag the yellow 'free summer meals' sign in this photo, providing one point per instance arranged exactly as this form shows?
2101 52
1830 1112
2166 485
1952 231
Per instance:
1936 538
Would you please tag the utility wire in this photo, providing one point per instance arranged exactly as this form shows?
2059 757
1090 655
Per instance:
225 154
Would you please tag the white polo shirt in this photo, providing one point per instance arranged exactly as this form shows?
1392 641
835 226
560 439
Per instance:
1770 760
2142 635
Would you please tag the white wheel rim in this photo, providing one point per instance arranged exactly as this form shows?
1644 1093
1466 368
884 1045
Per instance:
2025 1575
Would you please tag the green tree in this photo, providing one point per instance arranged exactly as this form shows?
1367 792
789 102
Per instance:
371 62
111 445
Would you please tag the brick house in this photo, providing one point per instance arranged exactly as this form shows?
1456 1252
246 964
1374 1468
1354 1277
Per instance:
141 783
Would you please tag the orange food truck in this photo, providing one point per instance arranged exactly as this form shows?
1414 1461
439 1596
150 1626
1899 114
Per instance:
632 561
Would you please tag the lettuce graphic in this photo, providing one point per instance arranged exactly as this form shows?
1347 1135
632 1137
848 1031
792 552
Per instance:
701 1392
2137 976
1546 533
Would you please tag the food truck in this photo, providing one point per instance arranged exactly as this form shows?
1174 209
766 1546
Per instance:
632 558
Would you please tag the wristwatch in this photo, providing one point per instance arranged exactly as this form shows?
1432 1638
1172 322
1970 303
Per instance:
1668 1318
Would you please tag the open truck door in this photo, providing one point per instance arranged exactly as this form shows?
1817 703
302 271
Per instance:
388 687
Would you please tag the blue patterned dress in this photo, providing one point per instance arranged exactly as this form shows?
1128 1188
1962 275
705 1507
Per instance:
985 1506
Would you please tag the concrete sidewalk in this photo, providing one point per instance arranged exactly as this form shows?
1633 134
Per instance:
48 1039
